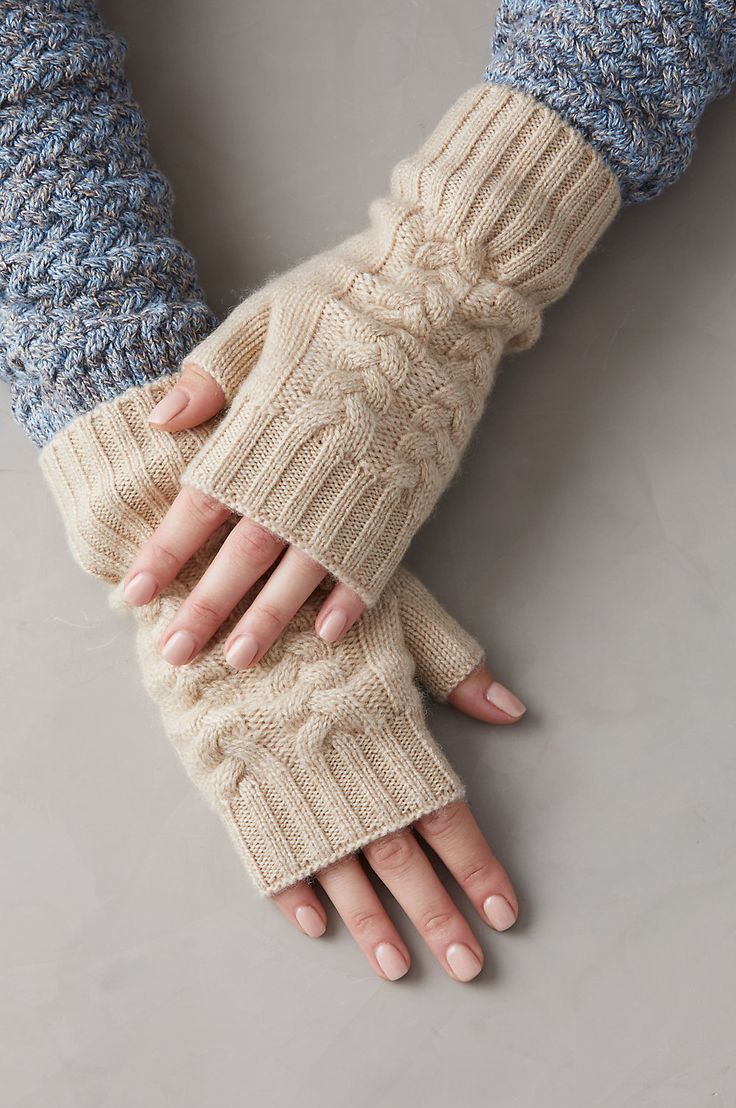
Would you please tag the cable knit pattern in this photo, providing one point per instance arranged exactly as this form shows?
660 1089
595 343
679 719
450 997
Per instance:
633 76
367 368
320 748
95 293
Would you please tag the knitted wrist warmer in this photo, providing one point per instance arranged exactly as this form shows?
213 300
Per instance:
357 378
632 76
95 293
320 748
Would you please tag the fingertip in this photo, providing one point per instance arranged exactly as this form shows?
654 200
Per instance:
140 588
482 697
340 611
300 905
195 398
310 921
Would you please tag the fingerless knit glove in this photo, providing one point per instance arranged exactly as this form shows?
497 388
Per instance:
320 748
356 379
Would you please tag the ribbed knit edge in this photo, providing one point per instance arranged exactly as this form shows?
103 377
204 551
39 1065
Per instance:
113 477
513 199
287 829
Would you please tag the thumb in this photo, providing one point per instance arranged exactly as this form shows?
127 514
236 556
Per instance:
195 398
482 697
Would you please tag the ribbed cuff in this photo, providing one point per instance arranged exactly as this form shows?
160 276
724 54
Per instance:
378 357
114 478
504 172
288 826
318 750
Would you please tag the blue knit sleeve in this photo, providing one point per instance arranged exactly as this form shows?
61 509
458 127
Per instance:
633 76
96 295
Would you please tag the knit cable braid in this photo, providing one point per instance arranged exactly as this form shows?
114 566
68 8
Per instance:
356 379
95 293
320 748
632 76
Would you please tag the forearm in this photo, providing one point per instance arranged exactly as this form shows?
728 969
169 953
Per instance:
96 295
632 77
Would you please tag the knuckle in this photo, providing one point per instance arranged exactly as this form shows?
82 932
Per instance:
476 873
445 821
205 507
269 614
253 543
163 557
393 853
202 610
435 921
366 921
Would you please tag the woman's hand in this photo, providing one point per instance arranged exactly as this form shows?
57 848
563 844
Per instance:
407 872
247 554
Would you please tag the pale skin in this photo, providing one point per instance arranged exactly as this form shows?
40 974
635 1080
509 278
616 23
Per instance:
247 554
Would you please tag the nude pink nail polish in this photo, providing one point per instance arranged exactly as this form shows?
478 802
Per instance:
463 963
141 589
179 648
310 921
172 405
499 912
392 961
332 626
502 698
242 651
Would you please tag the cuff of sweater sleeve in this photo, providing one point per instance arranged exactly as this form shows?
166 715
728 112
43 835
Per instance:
84 359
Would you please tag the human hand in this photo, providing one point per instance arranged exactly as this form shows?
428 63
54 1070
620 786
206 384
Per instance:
248 552
406 870
354 381
321 750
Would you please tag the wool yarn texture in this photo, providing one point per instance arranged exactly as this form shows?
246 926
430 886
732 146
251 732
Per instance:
632 76
96 293
320 748
355 380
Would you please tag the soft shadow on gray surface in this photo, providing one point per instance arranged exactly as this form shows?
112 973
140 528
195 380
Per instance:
589 541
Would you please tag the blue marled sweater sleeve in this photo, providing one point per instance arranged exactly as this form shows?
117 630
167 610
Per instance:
633 76
96 295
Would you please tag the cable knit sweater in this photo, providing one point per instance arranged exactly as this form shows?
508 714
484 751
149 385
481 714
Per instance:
96 295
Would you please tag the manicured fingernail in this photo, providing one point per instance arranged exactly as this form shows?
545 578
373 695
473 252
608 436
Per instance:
141 589
392 961
179 648
332 626
172 404
501 698
462 961
499 912
242 651
310 921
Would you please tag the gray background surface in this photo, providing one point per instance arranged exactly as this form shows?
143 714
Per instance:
589 541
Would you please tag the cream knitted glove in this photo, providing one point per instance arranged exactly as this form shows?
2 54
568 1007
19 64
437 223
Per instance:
320 748
356 379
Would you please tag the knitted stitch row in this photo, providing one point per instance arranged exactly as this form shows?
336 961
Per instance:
633 76
95 293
